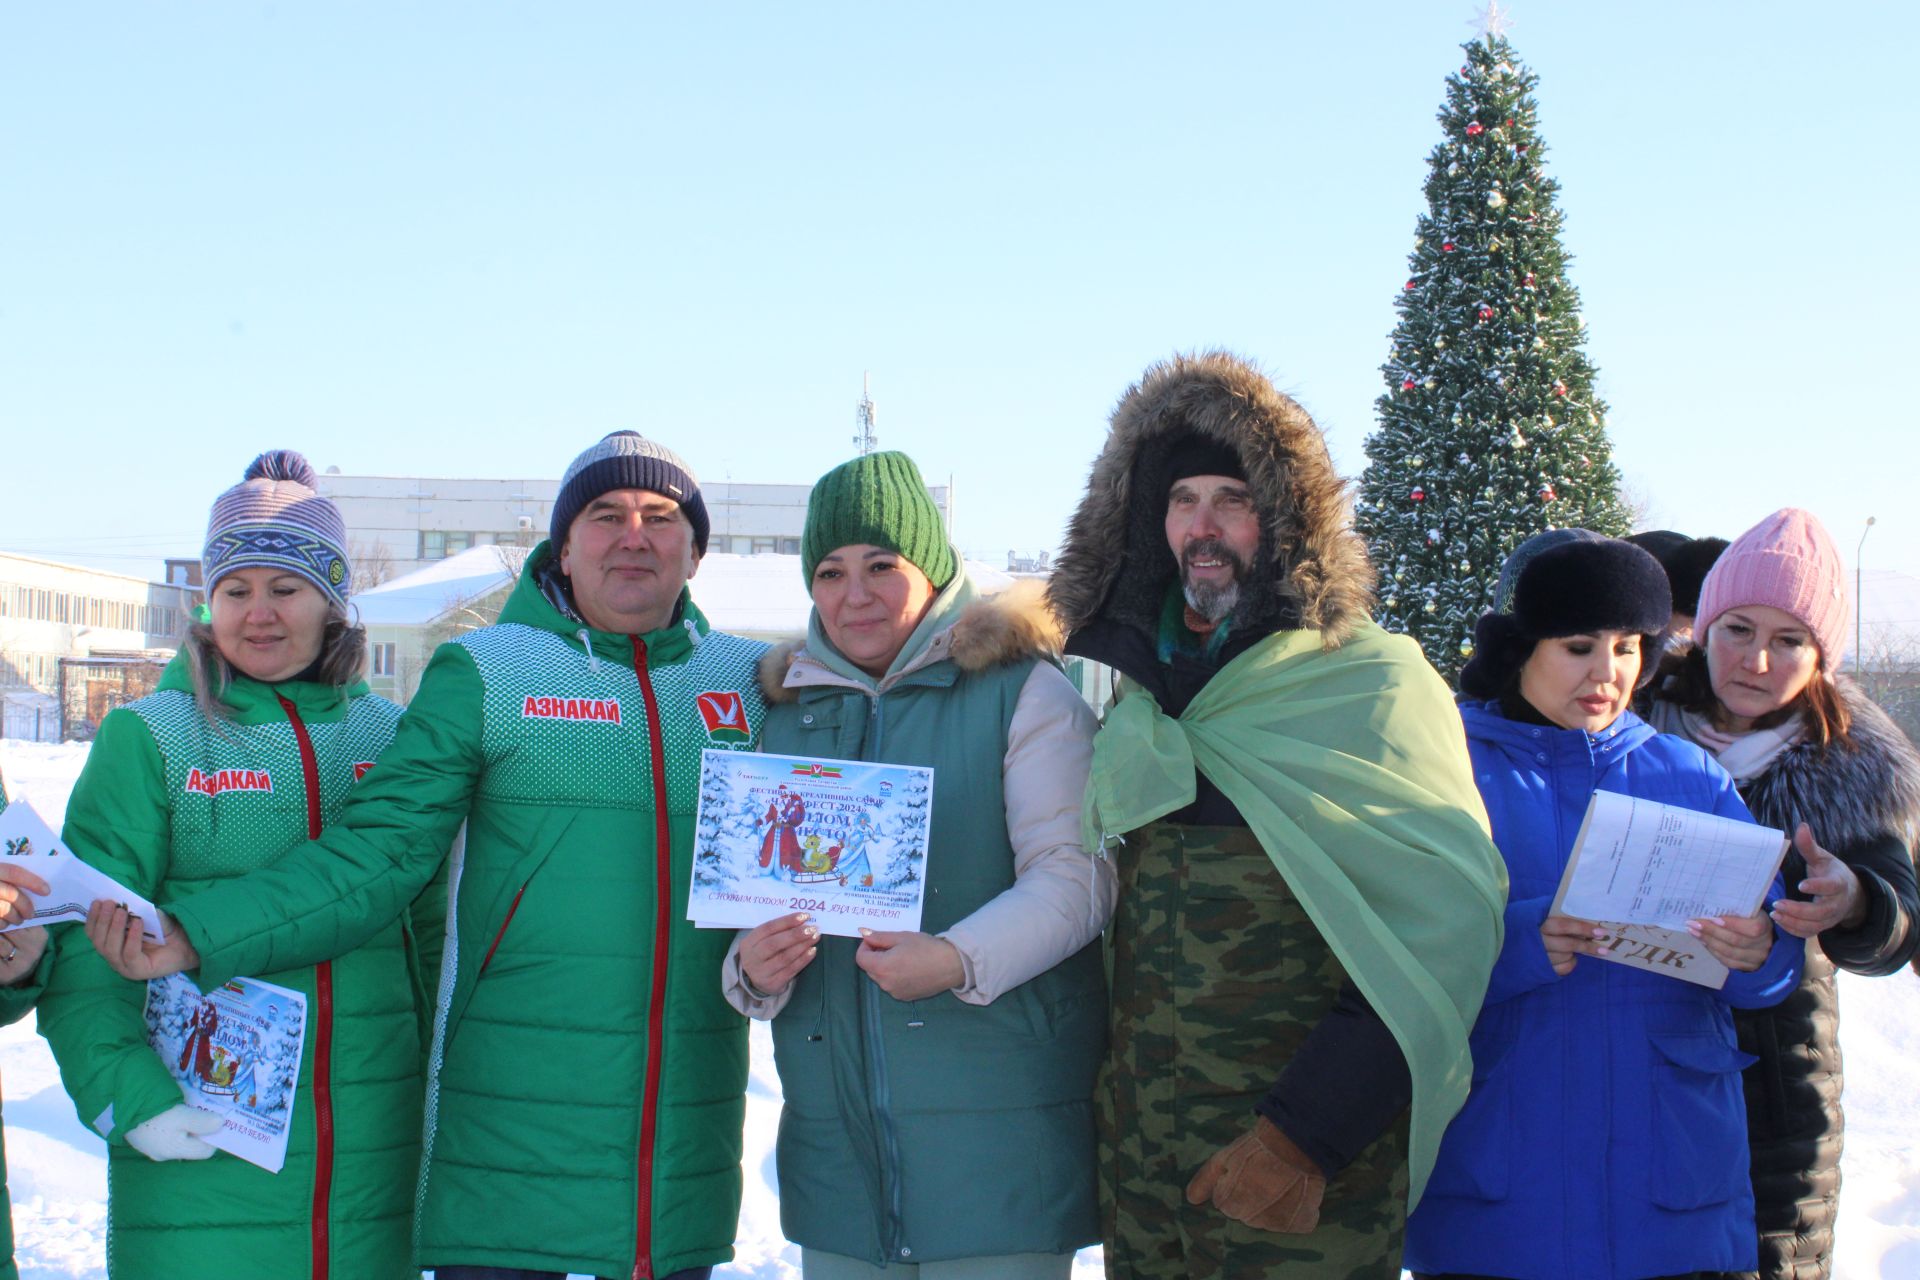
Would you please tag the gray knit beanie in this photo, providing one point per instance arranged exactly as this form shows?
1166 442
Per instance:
628 460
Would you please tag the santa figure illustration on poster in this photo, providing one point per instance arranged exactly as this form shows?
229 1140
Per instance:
843 840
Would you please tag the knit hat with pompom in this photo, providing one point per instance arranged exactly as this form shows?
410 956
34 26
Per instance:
273 519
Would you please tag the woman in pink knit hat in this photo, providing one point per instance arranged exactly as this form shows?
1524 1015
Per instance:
1813 756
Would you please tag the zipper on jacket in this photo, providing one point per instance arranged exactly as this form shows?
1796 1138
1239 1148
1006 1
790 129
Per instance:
657 998
511 908
322 1027
878 1090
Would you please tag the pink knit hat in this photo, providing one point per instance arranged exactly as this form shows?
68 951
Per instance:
1786 561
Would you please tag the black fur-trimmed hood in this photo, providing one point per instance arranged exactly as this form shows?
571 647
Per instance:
1846 796
1313 570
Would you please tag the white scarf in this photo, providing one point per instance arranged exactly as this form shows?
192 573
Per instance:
1744 755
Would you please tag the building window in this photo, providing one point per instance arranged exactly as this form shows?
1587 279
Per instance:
438 545
763 546
383 660
789 546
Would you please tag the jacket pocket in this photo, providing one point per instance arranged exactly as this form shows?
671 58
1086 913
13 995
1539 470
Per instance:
1699 1120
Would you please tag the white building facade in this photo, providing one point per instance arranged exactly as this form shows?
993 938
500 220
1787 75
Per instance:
406 523
50 611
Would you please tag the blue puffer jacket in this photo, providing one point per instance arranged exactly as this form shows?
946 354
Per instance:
1605 1137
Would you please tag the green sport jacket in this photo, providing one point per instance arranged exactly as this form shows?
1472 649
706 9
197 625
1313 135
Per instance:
587 1082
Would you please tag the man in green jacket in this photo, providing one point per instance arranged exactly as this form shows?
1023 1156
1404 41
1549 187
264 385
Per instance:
1310 902
586 1089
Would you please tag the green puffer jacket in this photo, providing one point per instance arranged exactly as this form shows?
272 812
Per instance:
169 804
587 1087
15 1002
937 1129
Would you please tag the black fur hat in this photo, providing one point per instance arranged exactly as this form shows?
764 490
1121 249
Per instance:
1577 587
1686 561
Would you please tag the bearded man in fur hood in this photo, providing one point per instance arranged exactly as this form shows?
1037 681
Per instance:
1310 902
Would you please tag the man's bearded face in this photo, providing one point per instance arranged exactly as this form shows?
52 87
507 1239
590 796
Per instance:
1214 533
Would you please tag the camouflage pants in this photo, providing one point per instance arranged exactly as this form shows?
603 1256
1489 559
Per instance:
1218 975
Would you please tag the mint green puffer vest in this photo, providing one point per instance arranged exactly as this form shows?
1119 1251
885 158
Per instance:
918 1132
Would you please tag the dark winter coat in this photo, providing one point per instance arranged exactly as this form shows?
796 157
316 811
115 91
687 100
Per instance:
1604 1138
1861 800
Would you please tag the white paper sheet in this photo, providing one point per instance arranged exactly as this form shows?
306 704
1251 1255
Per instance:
236 1054
27 841
1643 862
844 841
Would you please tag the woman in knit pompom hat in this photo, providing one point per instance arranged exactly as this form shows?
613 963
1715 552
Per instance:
970 1044
1813 756
259 729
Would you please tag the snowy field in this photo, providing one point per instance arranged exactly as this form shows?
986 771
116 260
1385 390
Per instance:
57 1170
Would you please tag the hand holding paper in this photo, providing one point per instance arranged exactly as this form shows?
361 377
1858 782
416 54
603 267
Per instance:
70 884
1567 939
1739 942
772 954
16 883
113 931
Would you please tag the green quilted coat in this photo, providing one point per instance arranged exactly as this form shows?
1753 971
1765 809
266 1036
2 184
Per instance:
169 804
587 1083
14 1004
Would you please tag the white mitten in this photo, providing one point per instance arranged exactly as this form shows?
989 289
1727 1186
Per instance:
178 1133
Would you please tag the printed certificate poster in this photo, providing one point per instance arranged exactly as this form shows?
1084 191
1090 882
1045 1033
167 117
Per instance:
236 1053
843 840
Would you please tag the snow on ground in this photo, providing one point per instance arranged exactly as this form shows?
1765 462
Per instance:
56 1168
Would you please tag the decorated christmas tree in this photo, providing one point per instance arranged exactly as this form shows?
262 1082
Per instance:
1489 431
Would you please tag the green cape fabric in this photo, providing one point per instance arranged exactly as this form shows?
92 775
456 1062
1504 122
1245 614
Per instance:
1351 768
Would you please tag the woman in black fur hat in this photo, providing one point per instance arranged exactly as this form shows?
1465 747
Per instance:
1605 1137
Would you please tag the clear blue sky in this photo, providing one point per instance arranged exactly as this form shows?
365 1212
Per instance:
469 239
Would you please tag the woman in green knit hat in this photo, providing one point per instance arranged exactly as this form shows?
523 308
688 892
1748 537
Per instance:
938 1119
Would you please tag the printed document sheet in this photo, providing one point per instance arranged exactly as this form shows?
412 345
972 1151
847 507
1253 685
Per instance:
28 842
235 1052
844 841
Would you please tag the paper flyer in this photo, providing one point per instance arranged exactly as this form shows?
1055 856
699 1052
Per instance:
236 1053
27 841
1642 869
843 840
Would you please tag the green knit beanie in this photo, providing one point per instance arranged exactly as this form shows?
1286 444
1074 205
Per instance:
880 500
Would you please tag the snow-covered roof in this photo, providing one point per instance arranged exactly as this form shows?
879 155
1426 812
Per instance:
756 594
425 595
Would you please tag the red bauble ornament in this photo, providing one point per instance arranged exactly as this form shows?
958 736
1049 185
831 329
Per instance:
1560 388
1509 122
1407 385
1409 286
1546 493
1528 282
1448 247
1486 313
1475 129
1418 494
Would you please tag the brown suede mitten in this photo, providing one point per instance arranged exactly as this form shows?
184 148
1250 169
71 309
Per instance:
1263 1180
